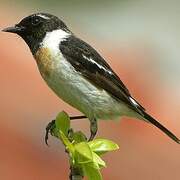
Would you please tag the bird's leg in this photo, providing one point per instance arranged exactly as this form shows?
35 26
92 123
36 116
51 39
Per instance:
93 128
77 117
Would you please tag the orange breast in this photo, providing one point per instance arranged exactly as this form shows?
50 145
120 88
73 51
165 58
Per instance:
44 61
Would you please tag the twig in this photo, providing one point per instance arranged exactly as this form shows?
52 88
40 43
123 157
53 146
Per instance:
76 173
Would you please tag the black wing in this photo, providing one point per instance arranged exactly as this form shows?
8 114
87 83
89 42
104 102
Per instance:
92 66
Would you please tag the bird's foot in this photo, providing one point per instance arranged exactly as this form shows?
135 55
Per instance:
49 128
93 128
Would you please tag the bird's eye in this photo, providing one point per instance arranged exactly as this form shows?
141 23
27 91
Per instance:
35 21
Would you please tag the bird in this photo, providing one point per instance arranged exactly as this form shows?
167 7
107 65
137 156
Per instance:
78 74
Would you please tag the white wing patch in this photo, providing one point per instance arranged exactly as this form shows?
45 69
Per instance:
94 62
133 101
43 16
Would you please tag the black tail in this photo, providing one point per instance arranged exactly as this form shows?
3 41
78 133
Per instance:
161 127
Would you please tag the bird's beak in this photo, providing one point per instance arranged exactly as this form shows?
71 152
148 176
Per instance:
14 29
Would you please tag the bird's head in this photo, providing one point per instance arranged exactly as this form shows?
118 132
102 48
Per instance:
34 28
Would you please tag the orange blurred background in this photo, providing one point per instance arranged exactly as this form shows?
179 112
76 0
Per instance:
140 41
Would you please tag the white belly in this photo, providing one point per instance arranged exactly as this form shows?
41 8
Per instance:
74 89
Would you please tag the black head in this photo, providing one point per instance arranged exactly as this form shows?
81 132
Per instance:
34 28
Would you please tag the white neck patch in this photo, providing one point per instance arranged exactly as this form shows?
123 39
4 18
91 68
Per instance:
53 39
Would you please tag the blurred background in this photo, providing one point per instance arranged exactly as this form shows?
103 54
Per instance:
141 40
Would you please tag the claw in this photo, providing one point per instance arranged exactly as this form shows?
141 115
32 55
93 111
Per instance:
93 129
49 127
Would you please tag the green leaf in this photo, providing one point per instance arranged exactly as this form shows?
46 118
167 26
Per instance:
98 160
101 146
67 143
83 153
91 173
63 122
78 137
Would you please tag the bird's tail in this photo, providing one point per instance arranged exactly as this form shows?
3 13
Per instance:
160 126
